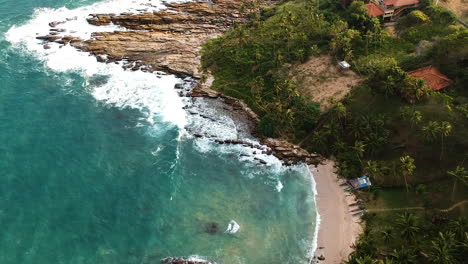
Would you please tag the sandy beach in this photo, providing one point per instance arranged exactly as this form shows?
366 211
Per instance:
338 228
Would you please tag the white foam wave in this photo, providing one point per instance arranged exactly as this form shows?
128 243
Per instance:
279 186
233 227
154 94
313 247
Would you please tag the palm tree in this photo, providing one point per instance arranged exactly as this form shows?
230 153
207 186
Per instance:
458 174
430 131
340 111
387 234
459 226
359 149
386 261
339 146
404 255
366 260
375 170
442 249
407 222
410 114
445 129
320 140
407 168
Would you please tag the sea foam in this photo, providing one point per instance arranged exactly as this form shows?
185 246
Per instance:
151 93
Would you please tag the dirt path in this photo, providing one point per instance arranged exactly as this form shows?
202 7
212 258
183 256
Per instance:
417 208
454 206
394 209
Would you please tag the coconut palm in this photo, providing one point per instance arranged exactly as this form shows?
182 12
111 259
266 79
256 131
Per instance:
340 112
404 255
458 174
387 234
430 131
372 168
366 260
407 168
386 261
375 170
459 227
359 149
411 114
443 248
407 222
445 128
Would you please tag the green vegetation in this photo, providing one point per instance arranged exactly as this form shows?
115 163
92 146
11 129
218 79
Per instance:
411 141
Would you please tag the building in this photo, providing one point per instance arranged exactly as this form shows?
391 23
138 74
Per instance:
433 77
343 65
360 182
389 9
374 10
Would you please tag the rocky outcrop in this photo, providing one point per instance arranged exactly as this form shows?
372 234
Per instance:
280 148
290 153
170 40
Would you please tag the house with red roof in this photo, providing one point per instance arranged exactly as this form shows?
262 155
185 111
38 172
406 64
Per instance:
433 77
389 9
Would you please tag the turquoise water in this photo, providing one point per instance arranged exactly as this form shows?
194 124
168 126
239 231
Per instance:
96 166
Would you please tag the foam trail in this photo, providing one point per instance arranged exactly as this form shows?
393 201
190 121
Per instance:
151 93
317 220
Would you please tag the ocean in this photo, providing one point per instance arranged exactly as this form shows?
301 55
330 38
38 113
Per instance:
99 165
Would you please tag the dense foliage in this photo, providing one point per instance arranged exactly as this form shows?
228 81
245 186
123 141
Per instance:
390 127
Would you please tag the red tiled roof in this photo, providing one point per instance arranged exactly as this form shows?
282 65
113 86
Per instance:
374 10
398 3
433 77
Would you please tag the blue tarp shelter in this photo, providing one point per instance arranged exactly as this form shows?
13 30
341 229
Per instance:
360 182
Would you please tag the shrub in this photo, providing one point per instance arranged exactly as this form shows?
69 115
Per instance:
268 127
440 14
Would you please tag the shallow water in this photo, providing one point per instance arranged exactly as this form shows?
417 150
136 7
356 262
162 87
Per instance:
96 165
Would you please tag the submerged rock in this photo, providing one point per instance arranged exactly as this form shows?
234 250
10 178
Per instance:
211 228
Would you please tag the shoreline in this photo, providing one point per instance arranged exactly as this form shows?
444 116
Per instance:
337 228
118 46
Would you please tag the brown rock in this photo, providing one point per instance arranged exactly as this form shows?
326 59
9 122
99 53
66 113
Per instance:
169 40
56 23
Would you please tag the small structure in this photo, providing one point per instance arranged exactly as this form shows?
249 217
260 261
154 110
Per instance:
374 10
343 65
433 77
389 9
360 182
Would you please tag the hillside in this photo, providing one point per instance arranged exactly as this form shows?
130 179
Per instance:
409 139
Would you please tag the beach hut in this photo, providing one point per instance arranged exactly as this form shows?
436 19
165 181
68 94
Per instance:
343 65
360 182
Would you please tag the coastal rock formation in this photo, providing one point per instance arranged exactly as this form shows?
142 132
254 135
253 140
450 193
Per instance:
280 148
290 153
170 40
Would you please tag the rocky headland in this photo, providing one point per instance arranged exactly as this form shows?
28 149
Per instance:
170 40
